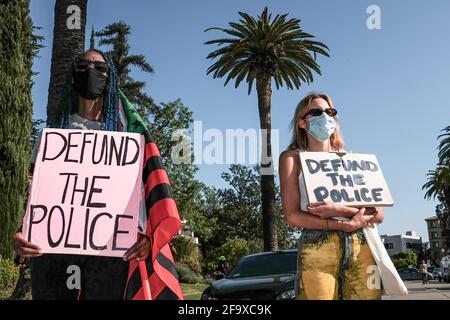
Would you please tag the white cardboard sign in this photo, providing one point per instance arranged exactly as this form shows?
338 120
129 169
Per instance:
350 179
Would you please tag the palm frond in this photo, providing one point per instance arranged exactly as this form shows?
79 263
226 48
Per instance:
276 47
444 146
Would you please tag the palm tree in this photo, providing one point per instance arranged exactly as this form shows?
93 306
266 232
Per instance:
444 145
261 49
438 183
67 43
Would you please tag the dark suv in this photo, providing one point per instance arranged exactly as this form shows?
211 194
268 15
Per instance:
261 276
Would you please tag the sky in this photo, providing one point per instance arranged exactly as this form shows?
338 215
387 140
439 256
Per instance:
390 85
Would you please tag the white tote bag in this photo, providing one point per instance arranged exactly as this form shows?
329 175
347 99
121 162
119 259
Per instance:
392 283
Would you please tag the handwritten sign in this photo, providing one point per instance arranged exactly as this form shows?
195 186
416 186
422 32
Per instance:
86 192
350 179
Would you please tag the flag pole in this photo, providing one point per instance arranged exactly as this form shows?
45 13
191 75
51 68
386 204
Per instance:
144 278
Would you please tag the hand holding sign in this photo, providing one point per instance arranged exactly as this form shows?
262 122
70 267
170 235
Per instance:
325 209
359 220
24 248
140 250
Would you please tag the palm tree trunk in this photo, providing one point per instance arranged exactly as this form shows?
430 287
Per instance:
264 90
68 41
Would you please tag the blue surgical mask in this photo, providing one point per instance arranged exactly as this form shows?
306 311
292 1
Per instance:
321 127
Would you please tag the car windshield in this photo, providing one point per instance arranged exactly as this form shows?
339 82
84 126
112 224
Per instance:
265 265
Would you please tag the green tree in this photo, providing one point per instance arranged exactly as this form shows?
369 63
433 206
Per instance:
236 211
233 250
16 59
116 35
187 253
287 235
36 41
68 41
405 259
438 184
260 50
36 128
241 204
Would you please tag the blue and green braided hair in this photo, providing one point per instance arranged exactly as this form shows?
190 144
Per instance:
110 111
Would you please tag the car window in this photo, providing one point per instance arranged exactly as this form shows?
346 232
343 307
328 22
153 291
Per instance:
265 265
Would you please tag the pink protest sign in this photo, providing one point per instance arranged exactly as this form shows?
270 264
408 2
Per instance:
86 192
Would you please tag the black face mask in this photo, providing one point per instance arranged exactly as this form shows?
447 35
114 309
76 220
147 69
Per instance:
89 83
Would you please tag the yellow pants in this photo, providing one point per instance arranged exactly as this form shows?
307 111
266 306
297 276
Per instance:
336 265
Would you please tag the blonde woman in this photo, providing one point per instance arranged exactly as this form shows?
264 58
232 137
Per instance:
334 259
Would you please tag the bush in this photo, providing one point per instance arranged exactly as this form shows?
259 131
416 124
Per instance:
9 274
234 249
187 253
186 275
405 259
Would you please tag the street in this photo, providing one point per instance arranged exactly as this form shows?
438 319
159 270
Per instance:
434 290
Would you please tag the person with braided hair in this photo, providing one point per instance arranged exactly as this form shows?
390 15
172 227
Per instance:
91 100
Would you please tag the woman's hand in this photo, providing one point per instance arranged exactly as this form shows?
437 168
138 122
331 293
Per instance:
140 250
324 209
358 221
23 248
328 209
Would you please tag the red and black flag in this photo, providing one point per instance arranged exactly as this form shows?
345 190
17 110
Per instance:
163 221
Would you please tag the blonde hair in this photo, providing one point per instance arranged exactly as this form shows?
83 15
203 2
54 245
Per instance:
299 135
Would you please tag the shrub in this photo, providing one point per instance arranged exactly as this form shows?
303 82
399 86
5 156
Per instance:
405 259
234 249
187 253
9 274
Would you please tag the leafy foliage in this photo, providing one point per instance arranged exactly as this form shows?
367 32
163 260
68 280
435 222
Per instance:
187 253
36 128
9 274
16 59
235 212
116 36
405 259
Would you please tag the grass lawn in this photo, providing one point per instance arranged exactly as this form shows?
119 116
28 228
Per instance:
193 291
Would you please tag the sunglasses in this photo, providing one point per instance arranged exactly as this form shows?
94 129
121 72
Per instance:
83 65
318 112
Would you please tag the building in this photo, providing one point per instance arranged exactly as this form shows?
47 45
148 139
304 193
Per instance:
437 242
402 242
187 233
